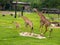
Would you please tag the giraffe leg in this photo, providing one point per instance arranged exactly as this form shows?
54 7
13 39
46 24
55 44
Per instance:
31 30
26 24
41 26
46 29
50 32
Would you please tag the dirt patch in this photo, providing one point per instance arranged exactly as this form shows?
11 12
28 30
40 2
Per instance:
34 35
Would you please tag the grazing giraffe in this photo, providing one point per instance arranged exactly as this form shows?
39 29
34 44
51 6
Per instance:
28 22
43 21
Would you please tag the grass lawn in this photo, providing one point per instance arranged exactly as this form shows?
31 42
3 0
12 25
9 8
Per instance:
9 35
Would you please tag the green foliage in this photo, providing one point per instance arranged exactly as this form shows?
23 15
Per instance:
50 3
36 3
6 4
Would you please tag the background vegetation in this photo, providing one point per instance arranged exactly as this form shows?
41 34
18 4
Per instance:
34 3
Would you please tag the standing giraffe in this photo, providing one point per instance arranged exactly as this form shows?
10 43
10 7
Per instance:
44 22
28 22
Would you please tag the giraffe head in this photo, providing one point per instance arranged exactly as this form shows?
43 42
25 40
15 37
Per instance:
34 9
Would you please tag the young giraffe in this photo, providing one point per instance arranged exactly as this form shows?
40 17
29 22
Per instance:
43 21
16 24
28 22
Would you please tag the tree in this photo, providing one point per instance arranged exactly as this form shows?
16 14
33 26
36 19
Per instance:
51 3
6 3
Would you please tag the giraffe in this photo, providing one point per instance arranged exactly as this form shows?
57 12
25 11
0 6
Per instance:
28 22
17 25
44 22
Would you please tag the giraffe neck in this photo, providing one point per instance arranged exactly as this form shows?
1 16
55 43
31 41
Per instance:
40 14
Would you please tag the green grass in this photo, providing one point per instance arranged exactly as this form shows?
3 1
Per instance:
10 36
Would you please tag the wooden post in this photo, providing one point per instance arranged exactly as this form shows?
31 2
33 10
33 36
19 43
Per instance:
16 9
22 10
